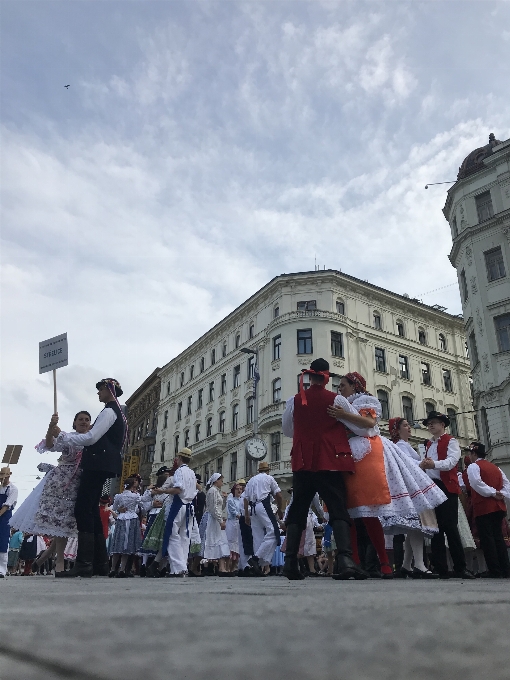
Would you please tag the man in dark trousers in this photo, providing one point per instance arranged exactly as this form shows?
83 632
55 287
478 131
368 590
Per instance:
488 487
101 459
320 458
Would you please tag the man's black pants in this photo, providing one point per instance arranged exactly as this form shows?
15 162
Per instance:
492 543
86 508
447 515
331 488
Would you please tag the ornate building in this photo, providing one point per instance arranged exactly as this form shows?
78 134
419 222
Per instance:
412 355
478 211
142 418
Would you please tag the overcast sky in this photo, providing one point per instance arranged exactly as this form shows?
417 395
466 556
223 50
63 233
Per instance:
203 148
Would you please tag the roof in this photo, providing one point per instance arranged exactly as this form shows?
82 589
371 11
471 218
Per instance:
474 161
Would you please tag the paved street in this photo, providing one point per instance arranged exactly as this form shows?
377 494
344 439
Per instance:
252 629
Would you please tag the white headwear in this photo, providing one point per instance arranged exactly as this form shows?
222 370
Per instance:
214 478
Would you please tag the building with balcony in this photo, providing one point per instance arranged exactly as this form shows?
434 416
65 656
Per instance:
413 356
478 211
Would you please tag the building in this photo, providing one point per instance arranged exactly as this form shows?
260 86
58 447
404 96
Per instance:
412 355
142 416
478 211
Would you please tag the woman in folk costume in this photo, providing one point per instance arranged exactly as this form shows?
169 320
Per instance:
216 542
49 508
127 538
234 511
400 431
387 484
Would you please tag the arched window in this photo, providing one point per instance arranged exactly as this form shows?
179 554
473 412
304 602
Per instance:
224 350
221 422
235 416
186 437
422 336
442 342
276 312
197 432
251 333
208 429
277 390
249 410
176 444
377 321
340 307
400 329
238 340
382 395
429 406
407 409
454 429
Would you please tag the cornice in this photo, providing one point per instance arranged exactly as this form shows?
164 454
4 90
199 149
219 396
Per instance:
499 219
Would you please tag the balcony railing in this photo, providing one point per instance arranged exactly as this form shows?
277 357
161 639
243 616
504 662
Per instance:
280 466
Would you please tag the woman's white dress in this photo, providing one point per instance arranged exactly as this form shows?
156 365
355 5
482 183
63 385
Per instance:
49 508
216 542
127 535
428 520
234 509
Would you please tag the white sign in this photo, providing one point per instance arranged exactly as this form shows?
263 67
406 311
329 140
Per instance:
53 353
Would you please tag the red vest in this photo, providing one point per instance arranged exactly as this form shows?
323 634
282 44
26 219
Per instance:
492 476
320 442
449 478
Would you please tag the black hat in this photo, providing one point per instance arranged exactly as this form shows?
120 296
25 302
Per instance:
112 384
478 448
162 470
435 415
319 365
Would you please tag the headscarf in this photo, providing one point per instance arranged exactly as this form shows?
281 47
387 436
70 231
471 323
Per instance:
214 478
394 425
359 382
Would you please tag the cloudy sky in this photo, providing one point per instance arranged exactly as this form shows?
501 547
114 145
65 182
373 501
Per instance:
203 148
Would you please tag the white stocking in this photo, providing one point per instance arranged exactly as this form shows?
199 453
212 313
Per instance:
413 546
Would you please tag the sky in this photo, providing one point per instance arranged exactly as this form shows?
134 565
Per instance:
203 148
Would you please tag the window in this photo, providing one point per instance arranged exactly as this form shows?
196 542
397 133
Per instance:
197 432
377 321
221 424
277 390
442 343
188 409
206 471
335 383
407 409
235 416
182 379
179 410
380 360
223 388
251 367
447 380
202 364
165 419
251 333
249 410
403 364
485 427
494 264
400 329
307 306
186 437
306 381
163 451
200 399
250 467
276 312
429 407
304 341
502 324
191 372
340 307
211 391
237 376
455 231
219 465
208 427
168 388
176 444
277 347
484 206
422 337
425 373
233 466
473 349
463 286
151 450
337 344
382 395
224 350
275 446
213 357
238 340
454 430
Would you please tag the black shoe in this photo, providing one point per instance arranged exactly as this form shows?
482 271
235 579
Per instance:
84 559
152 570
346 568
418 573
374 574
444 575
112 574
121 574
291 569
465 575
255 565
143 571
403 573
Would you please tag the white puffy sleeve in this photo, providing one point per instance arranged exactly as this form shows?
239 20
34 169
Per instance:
365 406
288 418
58 444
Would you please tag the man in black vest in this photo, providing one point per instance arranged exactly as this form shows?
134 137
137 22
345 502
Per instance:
101 459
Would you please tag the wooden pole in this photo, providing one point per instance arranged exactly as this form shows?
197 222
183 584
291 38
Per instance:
55 391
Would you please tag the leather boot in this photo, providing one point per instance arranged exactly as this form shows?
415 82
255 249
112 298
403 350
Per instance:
291 567
100 565
345 566
84 558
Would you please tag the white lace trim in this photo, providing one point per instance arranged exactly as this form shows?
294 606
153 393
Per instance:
360 447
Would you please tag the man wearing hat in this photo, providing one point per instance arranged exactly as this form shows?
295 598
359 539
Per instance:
488 487
101 459
440 462
320 457
8 498
259 514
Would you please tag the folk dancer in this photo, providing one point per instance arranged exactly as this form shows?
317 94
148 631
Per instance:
8 498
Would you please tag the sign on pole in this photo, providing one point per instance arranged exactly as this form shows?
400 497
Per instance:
12 454
53 354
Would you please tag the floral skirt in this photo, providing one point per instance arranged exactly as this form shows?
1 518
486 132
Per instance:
153 540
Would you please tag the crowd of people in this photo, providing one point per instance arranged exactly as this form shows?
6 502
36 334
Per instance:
361 505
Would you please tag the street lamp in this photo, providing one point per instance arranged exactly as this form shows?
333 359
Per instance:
255 447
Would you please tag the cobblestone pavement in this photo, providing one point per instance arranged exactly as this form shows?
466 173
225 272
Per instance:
248 629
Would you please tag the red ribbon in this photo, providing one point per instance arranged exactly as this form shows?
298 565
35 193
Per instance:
302 391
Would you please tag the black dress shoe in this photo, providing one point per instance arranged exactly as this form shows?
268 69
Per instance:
254 564
405 573
465 575
291 569
418 573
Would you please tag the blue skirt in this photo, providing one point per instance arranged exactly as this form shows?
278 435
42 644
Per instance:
126 539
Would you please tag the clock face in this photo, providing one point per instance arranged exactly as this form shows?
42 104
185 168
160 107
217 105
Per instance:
256 449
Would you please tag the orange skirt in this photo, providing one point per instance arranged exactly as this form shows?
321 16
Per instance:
368 485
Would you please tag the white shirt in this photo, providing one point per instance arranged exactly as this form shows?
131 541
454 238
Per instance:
259 487
408 449
12 495
475 480
186 480
452 458
103 423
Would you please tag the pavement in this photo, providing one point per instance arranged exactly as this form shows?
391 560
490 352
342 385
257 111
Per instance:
250 629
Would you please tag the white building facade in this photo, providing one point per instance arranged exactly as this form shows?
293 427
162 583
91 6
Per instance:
478 211
412 355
